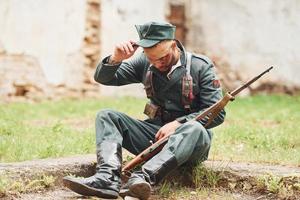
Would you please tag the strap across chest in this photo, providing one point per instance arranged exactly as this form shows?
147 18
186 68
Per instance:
187 84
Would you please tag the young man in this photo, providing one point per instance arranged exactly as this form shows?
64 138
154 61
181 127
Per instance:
179 85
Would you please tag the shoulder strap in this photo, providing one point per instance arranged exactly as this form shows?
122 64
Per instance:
188 63
148 84
187 85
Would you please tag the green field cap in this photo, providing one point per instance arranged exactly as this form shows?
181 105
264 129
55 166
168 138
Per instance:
153 32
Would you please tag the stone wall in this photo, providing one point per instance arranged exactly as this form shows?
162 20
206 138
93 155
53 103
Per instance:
62 41
249 36
54 44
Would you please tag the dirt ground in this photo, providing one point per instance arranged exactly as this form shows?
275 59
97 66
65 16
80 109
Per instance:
236 180
63 194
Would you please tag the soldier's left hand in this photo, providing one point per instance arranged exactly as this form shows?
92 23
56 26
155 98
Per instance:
167 129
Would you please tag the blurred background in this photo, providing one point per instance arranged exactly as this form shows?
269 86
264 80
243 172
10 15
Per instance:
50 48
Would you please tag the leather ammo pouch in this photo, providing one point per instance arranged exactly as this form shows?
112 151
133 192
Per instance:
151 110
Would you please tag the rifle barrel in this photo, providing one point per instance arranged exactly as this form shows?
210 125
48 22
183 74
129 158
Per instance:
238 90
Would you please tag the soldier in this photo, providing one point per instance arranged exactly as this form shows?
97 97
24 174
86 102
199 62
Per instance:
179 85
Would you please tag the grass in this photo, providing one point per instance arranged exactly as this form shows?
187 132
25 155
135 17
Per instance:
53 129
257 129
260 129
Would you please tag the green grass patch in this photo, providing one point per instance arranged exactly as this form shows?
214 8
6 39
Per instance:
54 128
257 129
260 129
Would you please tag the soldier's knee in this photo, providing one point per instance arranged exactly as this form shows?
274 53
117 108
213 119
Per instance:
105 114
195 127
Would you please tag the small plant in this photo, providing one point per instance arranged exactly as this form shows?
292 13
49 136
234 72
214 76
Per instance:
20 186
3 186
165 189
16 187
297 186
270 183
58 128
273 184
203 176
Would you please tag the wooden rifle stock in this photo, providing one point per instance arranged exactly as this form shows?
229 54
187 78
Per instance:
209 114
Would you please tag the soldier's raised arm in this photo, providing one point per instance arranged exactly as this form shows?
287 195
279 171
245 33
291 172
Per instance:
112 70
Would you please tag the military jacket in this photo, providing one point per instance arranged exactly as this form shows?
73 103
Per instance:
168 92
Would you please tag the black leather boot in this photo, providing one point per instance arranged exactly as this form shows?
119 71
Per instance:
136 186
153 171
107 181
156 169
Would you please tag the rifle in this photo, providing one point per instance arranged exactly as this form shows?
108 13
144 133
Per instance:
209 114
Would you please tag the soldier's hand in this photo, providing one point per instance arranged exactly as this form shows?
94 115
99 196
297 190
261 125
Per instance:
123 51
167 129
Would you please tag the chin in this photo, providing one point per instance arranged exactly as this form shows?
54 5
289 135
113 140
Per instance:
163 69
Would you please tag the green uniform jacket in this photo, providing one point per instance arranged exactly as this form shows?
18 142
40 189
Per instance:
168 92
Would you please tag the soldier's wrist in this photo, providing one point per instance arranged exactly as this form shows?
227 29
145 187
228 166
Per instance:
113 61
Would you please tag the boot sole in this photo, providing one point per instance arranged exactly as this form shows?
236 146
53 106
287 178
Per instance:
140 190
88 191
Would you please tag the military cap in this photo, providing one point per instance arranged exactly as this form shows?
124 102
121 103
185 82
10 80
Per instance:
153 32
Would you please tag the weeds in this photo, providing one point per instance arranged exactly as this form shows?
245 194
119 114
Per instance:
270 183
297 186
277 186
203 177
3 186
23 186
165 189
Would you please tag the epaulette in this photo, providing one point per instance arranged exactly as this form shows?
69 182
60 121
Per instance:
203 57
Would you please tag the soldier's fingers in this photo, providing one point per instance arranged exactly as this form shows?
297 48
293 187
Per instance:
126 49
130 47
134 45
132 42
157 136
161 135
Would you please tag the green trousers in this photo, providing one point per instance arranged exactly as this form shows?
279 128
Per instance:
190 142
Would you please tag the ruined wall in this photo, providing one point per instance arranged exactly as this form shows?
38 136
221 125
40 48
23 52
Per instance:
248 36
50 31
49 44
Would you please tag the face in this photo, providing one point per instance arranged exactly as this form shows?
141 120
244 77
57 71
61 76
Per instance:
162 56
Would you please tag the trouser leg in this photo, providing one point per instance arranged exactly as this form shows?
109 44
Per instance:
179 149
201 150
189 139
134 135
113 129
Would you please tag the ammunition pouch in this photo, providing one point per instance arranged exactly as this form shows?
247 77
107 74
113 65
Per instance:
154 111
151 110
